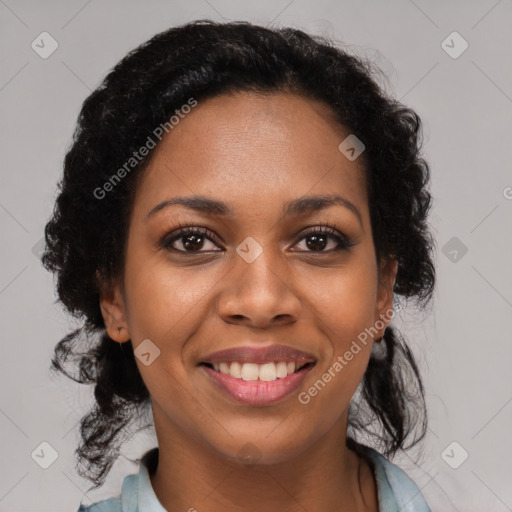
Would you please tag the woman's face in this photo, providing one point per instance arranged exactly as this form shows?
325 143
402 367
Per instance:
258 277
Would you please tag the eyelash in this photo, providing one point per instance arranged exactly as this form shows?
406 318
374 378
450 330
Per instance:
344 243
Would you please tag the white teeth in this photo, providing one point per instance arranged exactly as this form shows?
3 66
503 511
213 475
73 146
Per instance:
251 371
235 370
268 372
281 370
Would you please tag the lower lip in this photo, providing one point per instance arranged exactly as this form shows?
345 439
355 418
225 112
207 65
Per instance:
257 392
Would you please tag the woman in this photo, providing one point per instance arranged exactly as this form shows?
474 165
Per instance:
239 210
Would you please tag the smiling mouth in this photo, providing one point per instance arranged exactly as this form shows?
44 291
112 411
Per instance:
254 384
266 372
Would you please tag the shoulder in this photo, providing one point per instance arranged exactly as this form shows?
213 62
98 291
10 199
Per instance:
126 502
394 487
110 505
136 492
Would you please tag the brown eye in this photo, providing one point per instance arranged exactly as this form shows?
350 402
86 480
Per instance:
318 239
190 239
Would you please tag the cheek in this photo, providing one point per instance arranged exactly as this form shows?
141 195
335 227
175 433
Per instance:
164 306
345 301
162 303
347 306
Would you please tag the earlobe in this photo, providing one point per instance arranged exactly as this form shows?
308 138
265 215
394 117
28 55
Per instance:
113 312
387 278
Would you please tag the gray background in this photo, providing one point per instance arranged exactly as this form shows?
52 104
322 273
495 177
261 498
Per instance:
463 345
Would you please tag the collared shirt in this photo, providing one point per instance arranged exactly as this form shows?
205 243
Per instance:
395 490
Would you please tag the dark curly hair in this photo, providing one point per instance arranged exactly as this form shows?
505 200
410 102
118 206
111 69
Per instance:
86 237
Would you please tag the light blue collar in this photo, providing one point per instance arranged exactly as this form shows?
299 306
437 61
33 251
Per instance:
395 490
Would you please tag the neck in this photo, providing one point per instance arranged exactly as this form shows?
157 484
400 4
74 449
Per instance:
327 476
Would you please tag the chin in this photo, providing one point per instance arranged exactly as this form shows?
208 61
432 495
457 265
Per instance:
262 451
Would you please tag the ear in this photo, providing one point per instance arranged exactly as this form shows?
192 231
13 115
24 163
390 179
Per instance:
384 306
113 310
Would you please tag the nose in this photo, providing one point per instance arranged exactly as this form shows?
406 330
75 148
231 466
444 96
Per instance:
259 294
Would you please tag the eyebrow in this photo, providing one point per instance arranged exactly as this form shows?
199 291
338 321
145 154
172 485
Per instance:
300 206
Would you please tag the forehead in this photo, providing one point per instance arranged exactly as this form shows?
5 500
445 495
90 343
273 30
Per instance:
253 148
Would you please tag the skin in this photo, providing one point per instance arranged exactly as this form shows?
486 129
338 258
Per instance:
256 152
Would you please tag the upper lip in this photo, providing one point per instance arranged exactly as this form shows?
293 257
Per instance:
259 355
